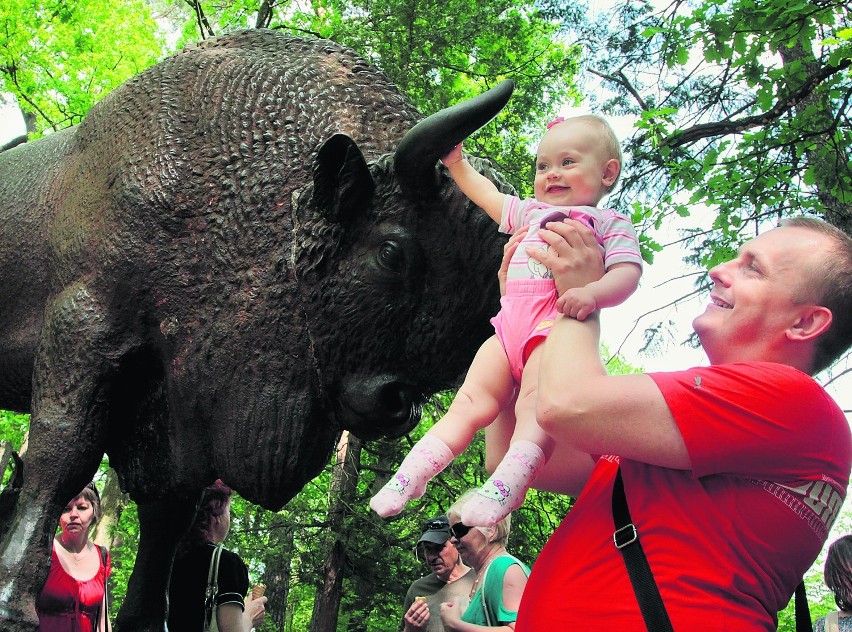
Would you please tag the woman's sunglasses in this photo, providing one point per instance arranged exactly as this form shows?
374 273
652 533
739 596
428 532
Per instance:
459 530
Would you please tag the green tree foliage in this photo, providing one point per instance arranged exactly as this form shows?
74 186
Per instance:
13 427
742 106
13 430
123 547
59 58
742 118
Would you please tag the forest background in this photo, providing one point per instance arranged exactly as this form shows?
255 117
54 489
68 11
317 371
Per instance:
734 114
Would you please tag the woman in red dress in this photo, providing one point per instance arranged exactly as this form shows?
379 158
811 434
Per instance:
73 598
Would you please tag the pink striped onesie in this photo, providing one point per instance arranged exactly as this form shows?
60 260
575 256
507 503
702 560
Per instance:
528 309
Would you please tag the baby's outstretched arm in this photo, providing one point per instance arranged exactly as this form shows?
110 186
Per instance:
473 184
613 288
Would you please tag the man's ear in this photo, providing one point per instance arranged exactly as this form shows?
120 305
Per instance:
813 322
610 173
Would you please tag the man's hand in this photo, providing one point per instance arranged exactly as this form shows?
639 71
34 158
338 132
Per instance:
508 250
573 256
577 303
417 617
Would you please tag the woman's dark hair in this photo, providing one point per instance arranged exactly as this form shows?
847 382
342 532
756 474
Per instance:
214 502
90 494
838 571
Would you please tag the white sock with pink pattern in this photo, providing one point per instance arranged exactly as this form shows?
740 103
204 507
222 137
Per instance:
429 456
507 488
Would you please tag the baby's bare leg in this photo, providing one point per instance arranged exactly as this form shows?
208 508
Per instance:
487 388
529 450
498 437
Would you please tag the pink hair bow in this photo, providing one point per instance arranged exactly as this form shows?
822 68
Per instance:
555 121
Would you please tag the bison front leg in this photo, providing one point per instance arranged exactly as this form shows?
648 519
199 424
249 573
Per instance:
66 445
161 525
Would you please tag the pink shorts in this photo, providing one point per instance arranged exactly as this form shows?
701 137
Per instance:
525 319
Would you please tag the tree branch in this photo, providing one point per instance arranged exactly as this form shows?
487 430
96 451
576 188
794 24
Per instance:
723 128
621 79
201 19
264 15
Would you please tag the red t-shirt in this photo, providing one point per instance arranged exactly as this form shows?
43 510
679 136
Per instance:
66 604
729 540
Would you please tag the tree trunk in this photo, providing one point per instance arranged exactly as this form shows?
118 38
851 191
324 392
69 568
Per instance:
276 576
344 483
113 502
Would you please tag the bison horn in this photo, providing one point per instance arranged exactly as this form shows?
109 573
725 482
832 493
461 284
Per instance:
436 135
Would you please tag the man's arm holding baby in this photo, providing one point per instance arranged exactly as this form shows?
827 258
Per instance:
579 403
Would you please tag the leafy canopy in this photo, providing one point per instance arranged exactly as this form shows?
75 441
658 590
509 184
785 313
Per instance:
59 58
741 107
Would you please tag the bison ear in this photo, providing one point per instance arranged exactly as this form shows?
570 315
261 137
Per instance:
342 180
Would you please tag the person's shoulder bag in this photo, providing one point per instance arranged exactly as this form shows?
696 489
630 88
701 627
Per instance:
105 603
210 624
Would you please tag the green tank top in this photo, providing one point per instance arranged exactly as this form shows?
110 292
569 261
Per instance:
492 589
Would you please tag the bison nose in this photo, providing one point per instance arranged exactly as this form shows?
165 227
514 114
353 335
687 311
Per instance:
379 406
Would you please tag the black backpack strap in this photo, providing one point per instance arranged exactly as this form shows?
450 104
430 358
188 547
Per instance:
626 540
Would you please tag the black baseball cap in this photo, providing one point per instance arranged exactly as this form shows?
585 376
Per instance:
436 530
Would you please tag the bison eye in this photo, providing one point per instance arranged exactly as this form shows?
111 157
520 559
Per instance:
390 256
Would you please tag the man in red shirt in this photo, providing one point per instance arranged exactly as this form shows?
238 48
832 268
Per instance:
733 473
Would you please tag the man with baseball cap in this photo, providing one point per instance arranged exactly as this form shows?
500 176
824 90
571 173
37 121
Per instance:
449 579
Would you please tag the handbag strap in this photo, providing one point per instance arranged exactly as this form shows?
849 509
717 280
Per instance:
803 612
106 601
212 586
482 596
626 539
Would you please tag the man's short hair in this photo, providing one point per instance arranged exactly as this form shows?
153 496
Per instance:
832 288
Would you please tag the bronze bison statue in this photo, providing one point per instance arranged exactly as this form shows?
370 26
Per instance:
238 254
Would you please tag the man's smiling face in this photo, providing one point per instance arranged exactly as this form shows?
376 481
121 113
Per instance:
759 295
